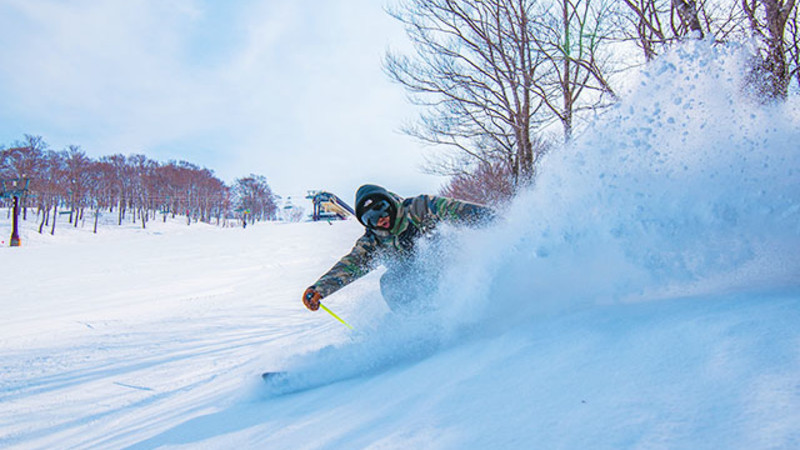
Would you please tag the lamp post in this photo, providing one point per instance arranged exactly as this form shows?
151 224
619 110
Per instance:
19 187
15 229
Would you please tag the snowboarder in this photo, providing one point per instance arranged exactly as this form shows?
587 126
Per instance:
393 225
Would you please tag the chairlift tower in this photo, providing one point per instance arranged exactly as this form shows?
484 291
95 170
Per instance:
328 206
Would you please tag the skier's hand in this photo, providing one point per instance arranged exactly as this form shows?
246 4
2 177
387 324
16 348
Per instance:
311 298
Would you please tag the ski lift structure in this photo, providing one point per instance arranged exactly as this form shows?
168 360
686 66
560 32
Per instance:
328 206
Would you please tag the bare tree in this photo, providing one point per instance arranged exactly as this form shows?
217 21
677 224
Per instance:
101 188
571 36
768 20
142 186
51 188
793 45
489 184
689 20
77 174
474 70
121 181
255 197
213 195
656 24
493 73
133 184
25 159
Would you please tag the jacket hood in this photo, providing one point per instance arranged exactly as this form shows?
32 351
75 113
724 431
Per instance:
371 190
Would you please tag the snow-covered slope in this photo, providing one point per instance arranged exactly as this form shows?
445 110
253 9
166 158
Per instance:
645 295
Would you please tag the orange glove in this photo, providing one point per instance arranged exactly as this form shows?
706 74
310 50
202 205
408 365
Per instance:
311 298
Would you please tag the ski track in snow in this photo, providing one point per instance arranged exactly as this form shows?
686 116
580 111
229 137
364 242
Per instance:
645 295
167 324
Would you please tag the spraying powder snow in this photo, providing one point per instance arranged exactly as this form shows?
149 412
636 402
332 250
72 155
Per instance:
684 189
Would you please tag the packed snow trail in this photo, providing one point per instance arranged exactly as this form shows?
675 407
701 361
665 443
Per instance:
679 374
149 327
644 295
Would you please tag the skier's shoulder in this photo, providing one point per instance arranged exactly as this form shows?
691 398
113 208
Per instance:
426 203
419 205
452 209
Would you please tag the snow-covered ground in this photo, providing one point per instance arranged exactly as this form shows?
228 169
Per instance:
645 295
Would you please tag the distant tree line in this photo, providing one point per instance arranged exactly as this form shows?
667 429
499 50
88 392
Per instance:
133 188
494 76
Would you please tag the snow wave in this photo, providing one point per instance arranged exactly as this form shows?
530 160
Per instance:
686 188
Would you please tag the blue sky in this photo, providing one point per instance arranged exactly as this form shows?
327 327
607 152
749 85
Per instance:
274 87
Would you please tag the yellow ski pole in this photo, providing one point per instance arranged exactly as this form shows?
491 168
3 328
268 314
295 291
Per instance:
335 316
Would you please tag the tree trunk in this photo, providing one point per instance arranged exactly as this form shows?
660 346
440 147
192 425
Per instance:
687 11
45 215
567 87
772 62
55 216
776 56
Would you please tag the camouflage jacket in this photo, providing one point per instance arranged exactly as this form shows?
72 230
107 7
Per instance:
417 216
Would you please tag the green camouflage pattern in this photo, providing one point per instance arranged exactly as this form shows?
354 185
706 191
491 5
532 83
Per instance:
417 216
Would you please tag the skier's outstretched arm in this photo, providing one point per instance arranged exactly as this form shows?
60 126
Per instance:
458 211
351 267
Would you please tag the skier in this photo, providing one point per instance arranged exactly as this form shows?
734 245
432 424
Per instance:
393 225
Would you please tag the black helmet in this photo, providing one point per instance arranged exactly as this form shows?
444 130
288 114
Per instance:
374 203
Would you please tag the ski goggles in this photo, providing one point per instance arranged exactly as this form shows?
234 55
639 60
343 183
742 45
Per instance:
374 210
